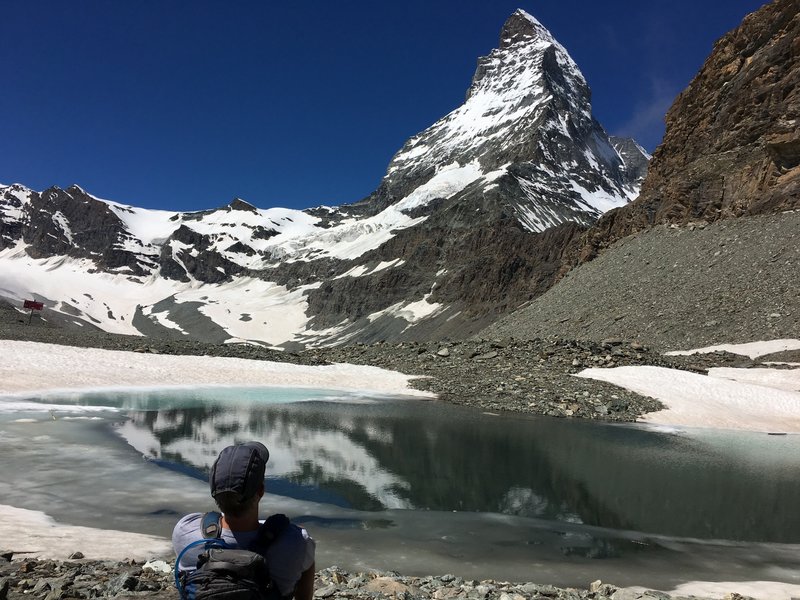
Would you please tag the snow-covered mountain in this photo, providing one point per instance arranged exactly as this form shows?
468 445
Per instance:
468 223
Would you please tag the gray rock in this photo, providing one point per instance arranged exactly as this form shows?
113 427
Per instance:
124 582
326 592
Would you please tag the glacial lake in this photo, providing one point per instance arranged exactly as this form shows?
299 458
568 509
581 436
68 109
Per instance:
423 487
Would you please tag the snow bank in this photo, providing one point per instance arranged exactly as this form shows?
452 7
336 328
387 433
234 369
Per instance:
34 367
695 400
760 590
781 379
751 349
44 538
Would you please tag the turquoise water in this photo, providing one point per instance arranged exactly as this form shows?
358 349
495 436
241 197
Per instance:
421 485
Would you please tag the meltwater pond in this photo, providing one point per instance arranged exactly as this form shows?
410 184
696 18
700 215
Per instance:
423 487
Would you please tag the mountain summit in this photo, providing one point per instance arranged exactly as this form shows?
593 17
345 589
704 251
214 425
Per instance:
468 222
525 129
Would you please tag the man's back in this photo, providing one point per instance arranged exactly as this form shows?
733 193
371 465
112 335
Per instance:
237 486
288 556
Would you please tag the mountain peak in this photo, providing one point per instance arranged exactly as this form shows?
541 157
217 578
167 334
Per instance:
239 204
523 27
75 188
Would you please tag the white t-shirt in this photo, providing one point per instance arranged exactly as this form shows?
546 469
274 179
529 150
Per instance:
287 557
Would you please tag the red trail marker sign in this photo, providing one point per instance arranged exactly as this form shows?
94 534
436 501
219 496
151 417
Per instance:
33 305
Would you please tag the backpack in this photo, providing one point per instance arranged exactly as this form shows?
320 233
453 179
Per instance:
229 573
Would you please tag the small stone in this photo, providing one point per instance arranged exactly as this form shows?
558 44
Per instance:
656 594
27 567
626 594
443 352
389 587
125 582
338 578
326 592
76 555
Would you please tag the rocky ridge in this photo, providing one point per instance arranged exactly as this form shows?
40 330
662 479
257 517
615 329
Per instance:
79 579
732 141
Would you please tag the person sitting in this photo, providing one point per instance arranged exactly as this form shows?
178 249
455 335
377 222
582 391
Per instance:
237 486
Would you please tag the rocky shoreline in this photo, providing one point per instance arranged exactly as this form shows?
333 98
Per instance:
527 376
77 578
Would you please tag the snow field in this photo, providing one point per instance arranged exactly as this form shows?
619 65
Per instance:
32 367
758 399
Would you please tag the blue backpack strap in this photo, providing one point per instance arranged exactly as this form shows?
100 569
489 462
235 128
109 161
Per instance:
211 528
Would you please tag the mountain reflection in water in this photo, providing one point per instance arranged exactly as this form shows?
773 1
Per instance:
428 456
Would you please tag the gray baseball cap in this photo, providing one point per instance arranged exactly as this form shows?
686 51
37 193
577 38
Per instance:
239 469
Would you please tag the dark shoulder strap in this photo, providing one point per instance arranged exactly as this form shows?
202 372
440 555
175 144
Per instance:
270 530
211 527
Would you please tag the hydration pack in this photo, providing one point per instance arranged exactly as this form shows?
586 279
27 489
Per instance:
229 573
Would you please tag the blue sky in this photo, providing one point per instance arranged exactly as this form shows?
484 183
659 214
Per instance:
184 105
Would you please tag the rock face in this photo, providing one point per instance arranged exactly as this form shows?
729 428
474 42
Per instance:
732 141
715 253
69 223
470 221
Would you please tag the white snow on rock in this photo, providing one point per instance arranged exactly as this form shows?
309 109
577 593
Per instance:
751 349
410 311
447 182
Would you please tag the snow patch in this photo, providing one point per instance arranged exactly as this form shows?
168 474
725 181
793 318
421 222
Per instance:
751 349
695 400
32 367
45 538
447 182
410 311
